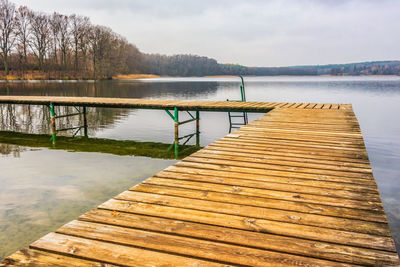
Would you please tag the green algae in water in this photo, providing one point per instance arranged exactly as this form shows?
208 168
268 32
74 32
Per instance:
84 144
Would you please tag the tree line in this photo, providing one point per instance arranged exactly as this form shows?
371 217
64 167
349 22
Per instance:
58 46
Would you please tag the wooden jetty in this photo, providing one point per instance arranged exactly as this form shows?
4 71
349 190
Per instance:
294 187
189 105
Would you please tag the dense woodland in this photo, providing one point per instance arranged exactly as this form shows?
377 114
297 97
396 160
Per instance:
36 45
62 46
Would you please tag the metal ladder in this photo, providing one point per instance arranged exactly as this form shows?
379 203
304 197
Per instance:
243 115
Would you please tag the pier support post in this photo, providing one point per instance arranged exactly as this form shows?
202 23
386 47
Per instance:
53 124
197 128
176 119
85 128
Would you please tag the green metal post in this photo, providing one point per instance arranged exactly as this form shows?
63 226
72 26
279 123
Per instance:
176 119
53 124
242 92
197 128
85 128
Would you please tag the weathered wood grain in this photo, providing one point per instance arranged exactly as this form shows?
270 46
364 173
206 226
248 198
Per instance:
292 188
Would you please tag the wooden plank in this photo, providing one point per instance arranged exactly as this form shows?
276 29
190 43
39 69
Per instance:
335 106
322 188
297 105
303 105
226 173
253 224
311 106
247 196
260 240
326 106
216 148
283 169
33 257
280 105
306 124
171 197
318 184
291 105
198 248
213 153
351 154
204 164
329 128
268 190
305 134
310 153
233 186
307 151
113 253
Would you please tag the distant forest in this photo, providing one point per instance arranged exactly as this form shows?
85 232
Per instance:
36 45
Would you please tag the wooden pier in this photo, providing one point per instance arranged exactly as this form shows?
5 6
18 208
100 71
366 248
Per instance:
292 188
162 104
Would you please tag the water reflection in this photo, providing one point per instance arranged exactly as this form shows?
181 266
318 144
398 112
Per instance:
36 119
122 89
10 149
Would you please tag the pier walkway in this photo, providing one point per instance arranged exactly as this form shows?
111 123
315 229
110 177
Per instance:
292 188
187 105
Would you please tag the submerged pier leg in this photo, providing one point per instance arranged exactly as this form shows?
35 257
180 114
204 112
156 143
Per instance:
176 119
197 128
53 124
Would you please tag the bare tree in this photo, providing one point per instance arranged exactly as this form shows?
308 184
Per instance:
64 39
84 44
100 39
55 27
79 26
7 22
22 28
40 36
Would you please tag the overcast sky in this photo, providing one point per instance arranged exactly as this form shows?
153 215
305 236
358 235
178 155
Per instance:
252 32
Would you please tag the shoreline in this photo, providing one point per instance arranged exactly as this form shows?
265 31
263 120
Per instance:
152 76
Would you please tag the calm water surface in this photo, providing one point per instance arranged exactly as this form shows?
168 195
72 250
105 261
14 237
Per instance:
42 188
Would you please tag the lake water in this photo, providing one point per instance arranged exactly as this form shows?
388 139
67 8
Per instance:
42 188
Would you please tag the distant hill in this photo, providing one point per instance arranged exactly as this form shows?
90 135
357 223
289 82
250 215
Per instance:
360 68
192 65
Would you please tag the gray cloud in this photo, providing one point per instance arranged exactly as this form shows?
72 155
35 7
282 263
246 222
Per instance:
254 32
